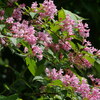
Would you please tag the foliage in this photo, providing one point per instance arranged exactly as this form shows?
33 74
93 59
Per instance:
56 62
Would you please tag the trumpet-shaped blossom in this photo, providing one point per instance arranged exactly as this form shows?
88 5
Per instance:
65 45
10 20
37 51
83 29
49 9
44 37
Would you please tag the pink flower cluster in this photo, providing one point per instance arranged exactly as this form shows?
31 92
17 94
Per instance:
62 44
81 87
83 29
45 38
22 29
79 60
49 9
89 47
67 25
37 51
26 31
70 26
34 6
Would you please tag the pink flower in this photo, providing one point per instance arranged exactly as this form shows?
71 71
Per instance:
67 25
39 56
1 18
44 37
37 51
95 95
23 30
49 9
22 5
94 80
83 89
34 5
79 60
83 29
98 53
9 20
2 41
17 14
31 39
65 45
25 49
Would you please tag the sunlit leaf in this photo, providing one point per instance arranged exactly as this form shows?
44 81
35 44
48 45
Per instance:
31 65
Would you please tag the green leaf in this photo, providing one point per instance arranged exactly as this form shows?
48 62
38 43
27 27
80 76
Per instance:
56 83
40 69
98 61
77 37
13 40
50 52
90 59
31 65
12 97
57 97
61 15
55 28
96 69
41 98
80 46
73 45
19 99
73 16
1 27
6 86
1 36
32 14
38 78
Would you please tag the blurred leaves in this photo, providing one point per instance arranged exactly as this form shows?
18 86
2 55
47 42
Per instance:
12 97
